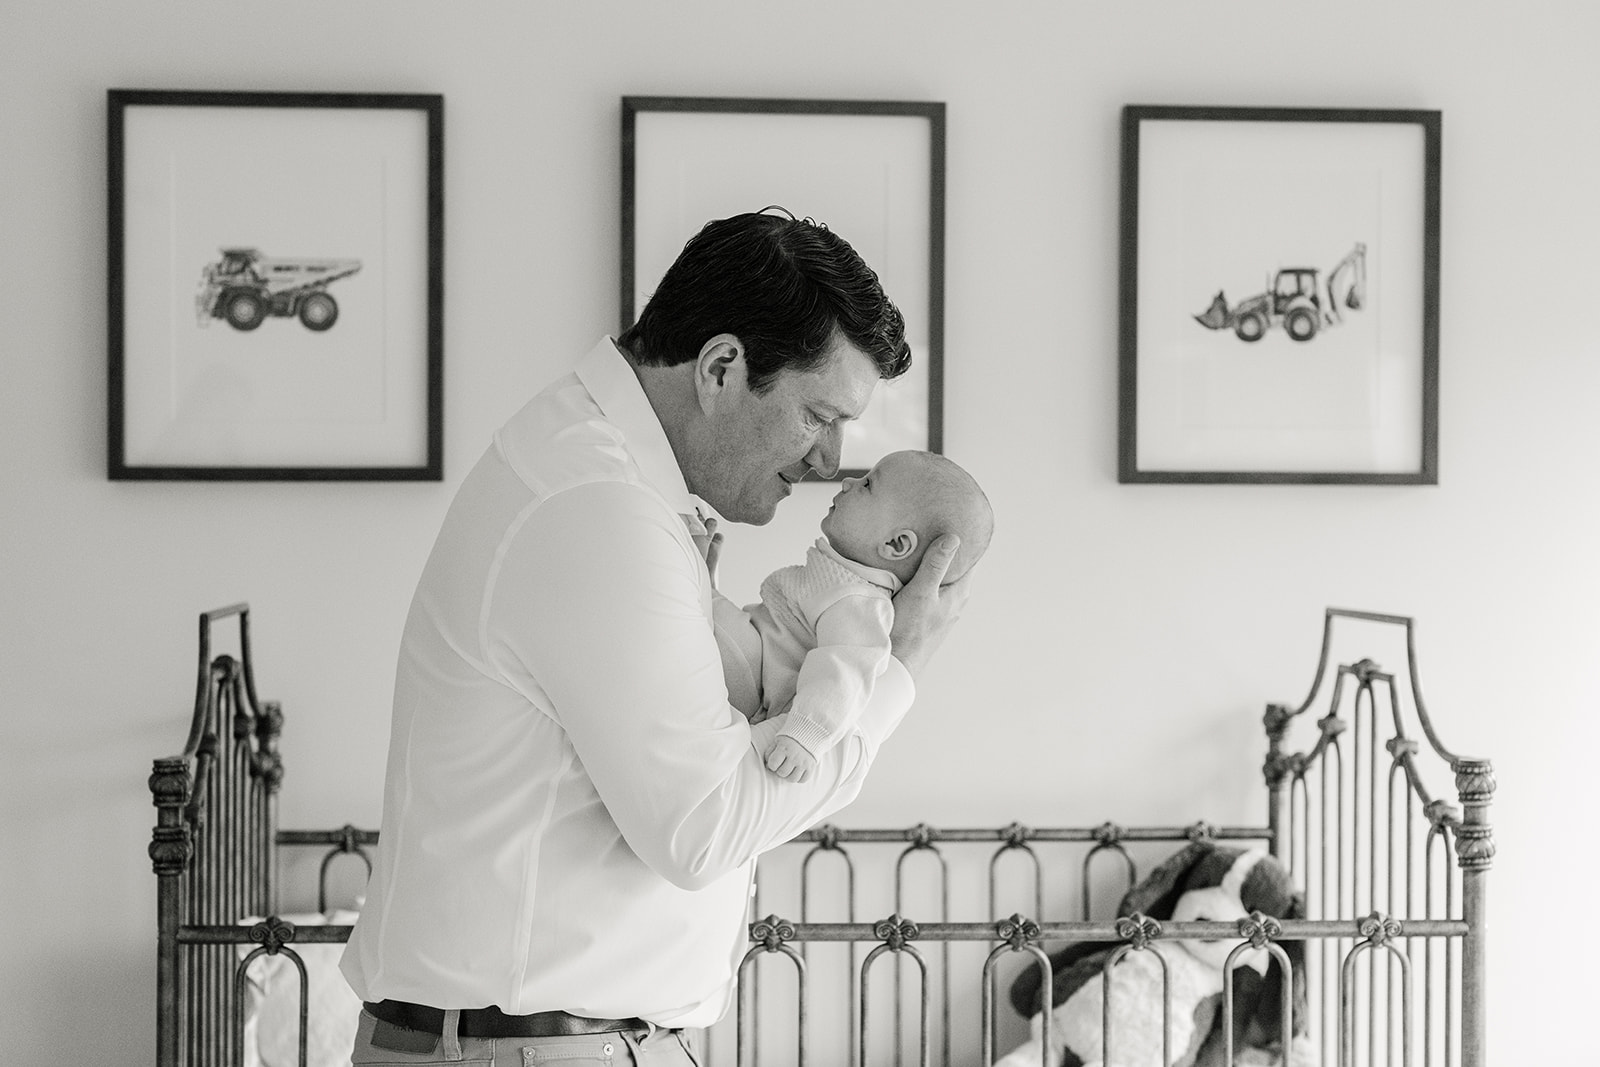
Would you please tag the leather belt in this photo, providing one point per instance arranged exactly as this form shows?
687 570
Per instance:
492 1022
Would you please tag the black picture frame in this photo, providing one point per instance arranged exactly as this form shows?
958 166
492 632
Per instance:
905 215
1293 381
213 198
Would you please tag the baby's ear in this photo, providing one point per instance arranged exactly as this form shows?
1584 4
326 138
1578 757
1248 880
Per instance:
898 545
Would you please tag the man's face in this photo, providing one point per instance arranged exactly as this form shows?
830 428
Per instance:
758 446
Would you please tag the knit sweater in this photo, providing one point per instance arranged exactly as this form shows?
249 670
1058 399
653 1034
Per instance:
824 628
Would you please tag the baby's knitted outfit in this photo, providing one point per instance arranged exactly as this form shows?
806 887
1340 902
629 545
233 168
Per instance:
824 628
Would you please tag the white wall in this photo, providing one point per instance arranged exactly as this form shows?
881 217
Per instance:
1116 657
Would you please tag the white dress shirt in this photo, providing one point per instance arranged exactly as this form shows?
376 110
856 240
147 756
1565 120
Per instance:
572 810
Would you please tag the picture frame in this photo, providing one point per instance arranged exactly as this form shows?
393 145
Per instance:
1314 234
275 286
889 204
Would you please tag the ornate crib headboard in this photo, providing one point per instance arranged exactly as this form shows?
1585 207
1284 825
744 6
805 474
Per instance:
213 849
1368 840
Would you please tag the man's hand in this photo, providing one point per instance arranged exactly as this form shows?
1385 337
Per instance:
923 611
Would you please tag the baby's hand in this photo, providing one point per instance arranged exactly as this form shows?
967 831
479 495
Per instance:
788 759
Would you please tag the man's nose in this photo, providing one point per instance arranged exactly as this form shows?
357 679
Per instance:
824 455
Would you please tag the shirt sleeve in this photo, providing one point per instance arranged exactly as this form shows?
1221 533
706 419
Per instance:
838 676
598 612
739 645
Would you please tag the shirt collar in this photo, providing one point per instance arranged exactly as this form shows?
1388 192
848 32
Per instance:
609 378
876 575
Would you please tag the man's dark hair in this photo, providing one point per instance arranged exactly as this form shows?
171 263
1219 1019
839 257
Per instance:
784 286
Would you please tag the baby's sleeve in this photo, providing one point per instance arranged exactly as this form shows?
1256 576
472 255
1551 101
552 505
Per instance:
838 676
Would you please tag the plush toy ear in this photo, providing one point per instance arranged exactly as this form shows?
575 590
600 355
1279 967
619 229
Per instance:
1258 999
1268 888
1159 891
1064 976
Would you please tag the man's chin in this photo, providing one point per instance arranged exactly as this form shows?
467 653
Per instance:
751 514
752 510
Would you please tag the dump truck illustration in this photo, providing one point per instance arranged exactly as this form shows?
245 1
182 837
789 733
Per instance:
244 287
1296 299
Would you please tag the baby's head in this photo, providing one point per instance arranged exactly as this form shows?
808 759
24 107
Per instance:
889 516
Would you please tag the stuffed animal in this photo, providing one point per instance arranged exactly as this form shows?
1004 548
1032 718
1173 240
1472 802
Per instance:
1203 882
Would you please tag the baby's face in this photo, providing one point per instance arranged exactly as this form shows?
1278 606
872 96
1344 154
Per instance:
869 511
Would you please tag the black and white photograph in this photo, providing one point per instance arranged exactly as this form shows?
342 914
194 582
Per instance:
855 533
303 233
1304 246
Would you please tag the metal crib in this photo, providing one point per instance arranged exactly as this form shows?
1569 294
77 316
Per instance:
1393 876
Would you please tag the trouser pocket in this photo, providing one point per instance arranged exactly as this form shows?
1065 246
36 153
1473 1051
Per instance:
600 1048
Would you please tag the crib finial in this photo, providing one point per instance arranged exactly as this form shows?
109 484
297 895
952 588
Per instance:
1017 931
272 933
895 931
772 932
1258 928
1138 929
1379 928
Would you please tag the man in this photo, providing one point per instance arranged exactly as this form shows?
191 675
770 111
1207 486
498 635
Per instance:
572 808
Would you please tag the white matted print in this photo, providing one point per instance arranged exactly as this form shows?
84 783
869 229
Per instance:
871 171
1279 295
275 290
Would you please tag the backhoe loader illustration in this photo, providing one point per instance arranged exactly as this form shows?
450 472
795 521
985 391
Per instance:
1295 300
244 287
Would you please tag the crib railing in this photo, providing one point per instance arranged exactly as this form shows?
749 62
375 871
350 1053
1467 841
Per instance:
1376 934
1057 873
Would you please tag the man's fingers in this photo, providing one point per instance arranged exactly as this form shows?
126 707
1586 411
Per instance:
936 563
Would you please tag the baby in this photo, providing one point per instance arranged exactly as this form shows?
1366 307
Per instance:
827 621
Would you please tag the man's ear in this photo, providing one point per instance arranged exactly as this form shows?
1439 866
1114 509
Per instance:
719 366
898 545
